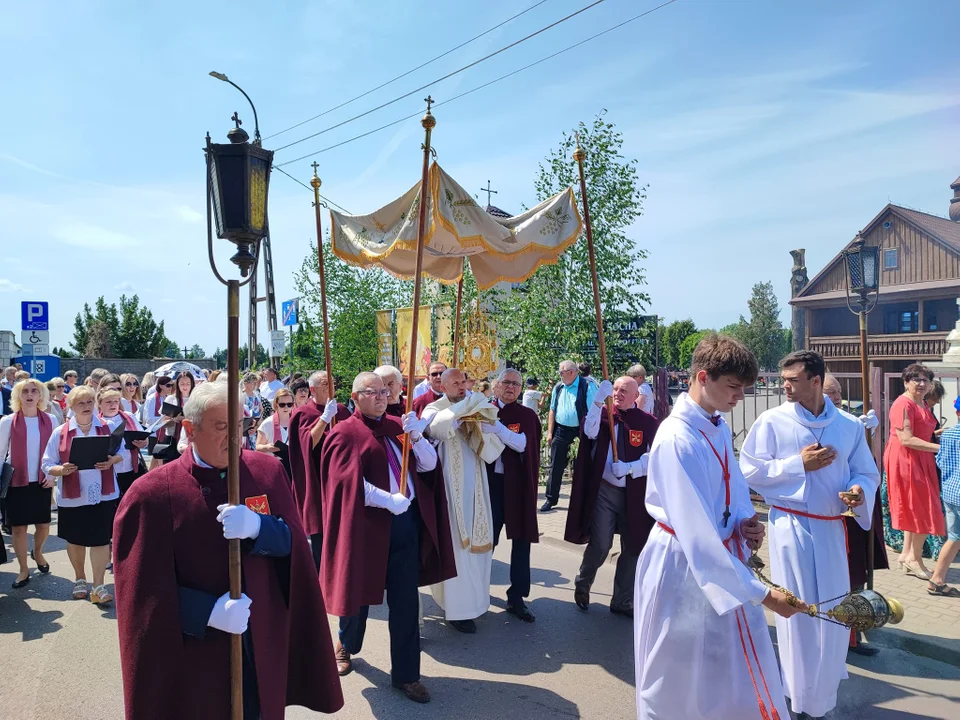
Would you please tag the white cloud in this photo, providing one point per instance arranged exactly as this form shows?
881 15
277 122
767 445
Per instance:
10 286
88 235
125 287
187 214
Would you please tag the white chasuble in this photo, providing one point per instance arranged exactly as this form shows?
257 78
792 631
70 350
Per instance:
463 452
700 635
808 555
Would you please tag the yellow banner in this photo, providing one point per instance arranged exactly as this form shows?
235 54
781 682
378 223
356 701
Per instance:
385 336
443 334
404 331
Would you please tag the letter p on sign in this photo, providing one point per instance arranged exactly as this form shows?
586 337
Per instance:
35 316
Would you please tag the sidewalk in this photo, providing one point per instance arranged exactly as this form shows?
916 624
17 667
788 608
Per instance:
930 627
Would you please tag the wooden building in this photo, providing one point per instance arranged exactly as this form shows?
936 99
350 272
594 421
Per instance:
918 299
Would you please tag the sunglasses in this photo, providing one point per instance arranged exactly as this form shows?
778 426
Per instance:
285 405
436 374
131 384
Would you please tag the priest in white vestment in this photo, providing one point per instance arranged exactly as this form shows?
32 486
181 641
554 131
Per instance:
801 456
461 427
701 643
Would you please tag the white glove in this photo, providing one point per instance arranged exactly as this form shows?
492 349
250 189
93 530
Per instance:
491 428
621 469
398 504
329 411
870 421
638 468
413 426
239 522
231 616
604 391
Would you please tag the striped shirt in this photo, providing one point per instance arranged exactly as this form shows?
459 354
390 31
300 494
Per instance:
948 460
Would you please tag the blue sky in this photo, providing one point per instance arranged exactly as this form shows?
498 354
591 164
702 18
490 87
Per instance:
760 127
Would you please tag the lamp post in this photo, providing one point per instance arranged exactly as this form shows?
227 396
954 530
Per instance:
863 289
238 178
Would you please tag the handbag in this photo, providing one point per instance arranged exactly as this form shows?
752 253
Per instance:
6 477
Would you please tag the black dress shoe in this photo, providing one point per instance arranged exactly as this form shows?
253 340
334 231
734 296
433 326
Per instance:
465 626
522 612
44 569
864 650
546 507
17 584
625 611
581 596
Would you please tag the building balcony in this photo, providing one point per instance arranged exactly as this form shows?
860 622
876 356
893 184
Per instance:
915 346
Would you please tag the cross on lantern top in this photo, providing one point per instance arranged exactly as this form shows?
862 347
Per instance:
488 191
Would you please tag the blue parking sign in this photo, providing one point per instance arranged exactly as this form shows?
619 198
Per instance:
35 315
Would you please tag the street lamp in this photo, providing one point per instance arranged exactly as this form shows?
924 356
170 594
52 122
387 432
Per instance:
238 178
863 290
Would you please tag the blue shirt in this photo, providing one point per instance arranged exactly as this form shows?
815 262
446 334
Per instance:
948 460
567 402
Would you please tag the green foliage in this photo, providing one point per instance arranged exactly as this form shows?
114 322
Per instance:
353 297
99 344
764 334
196 353
550 317
672 337
688 345
63 352
131 330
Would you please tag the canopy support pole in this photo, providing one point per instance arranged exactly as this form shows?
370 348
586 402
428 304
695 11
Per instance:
580 155
456 319
315 183
428 122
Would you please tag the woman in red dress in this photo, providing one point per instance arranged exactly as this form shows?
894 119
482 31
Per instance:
911 467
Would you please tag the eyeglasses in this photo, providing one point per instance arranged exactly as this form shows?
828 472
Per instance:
436 374
510 383
131 384
375 393
285 405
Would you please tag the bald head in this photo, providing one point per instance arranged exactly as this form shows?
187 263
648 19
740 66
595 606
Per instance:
832 389
625 392
454 386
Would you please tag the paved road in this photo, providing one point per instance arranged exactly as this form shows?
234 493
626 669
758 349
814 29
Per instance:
59 659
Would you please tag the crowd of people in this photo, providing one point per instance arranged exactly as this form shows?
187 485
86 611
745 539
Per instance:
425 496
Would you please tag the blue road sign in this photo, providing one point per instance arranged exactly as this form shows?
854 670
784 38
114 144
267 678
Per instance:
290 310
44 367
35 315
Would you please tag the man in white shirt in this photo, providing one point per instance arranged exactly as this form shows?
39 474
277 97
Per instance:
270 384
646 400
532 397
8 375
431 381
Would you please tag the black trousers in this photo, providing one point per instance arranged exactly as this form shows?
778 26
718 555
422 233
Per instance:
563 437
316 546
403 568
520 549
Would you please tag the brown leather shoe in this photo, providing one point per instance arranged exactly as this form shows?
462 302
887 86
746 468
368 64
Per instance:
581 596
415 691
344 664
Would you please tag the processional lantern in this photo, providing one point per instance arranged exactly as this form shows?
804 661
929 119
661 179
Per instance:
863 270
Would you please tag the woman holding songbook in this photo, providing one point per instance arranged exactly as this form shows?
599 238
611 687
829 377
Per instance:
87 497
272 435
132 397
119 422
23 436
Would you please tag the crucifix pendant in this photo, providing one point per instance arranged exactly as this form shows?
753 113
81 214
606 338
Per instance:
726 515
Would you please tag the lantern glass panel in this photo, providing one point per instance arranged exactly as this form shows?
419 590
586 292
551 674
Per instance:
854 269
870 259
258 193
215 192
233 196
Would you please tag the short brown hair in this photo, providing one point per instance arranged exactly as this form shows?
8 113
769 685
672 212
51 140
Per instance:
936 392
721 355
915 370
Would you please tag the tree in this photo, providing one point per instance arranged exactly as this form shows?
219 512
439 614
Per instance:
63 352
99 344
353 297
671 340
133 331
196 353
687 347
550 317
763 334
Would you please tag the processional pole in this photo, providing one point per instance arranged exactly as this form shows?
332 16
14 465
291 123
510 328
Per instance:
428 122
315 184
580 155
456 319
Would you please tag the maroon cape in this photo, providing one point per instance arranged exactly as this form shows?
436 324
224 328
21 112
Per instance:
356 540
588 474
397 409
420 404
857 540
521 474
305 462
166 535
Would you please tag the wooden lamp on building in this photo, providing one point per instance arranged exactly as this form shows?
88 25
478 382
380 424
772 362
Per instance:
863 289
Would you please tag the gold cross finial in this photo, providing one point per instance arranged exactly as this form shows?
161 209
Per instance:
315 180
315 166
429 101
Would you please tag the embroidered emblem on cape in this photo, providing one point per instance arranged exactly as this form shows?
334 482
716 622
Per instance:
258 504
636 438
514 428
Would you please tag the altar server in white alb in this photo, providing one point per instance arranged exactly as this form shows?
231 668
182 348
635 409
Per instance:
803 456
700 636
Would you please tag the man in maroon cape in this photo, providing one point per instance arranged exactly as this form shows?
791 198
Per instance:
856 537
434 375
174 611
393 381
608 497
378 538
308 426
514 481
